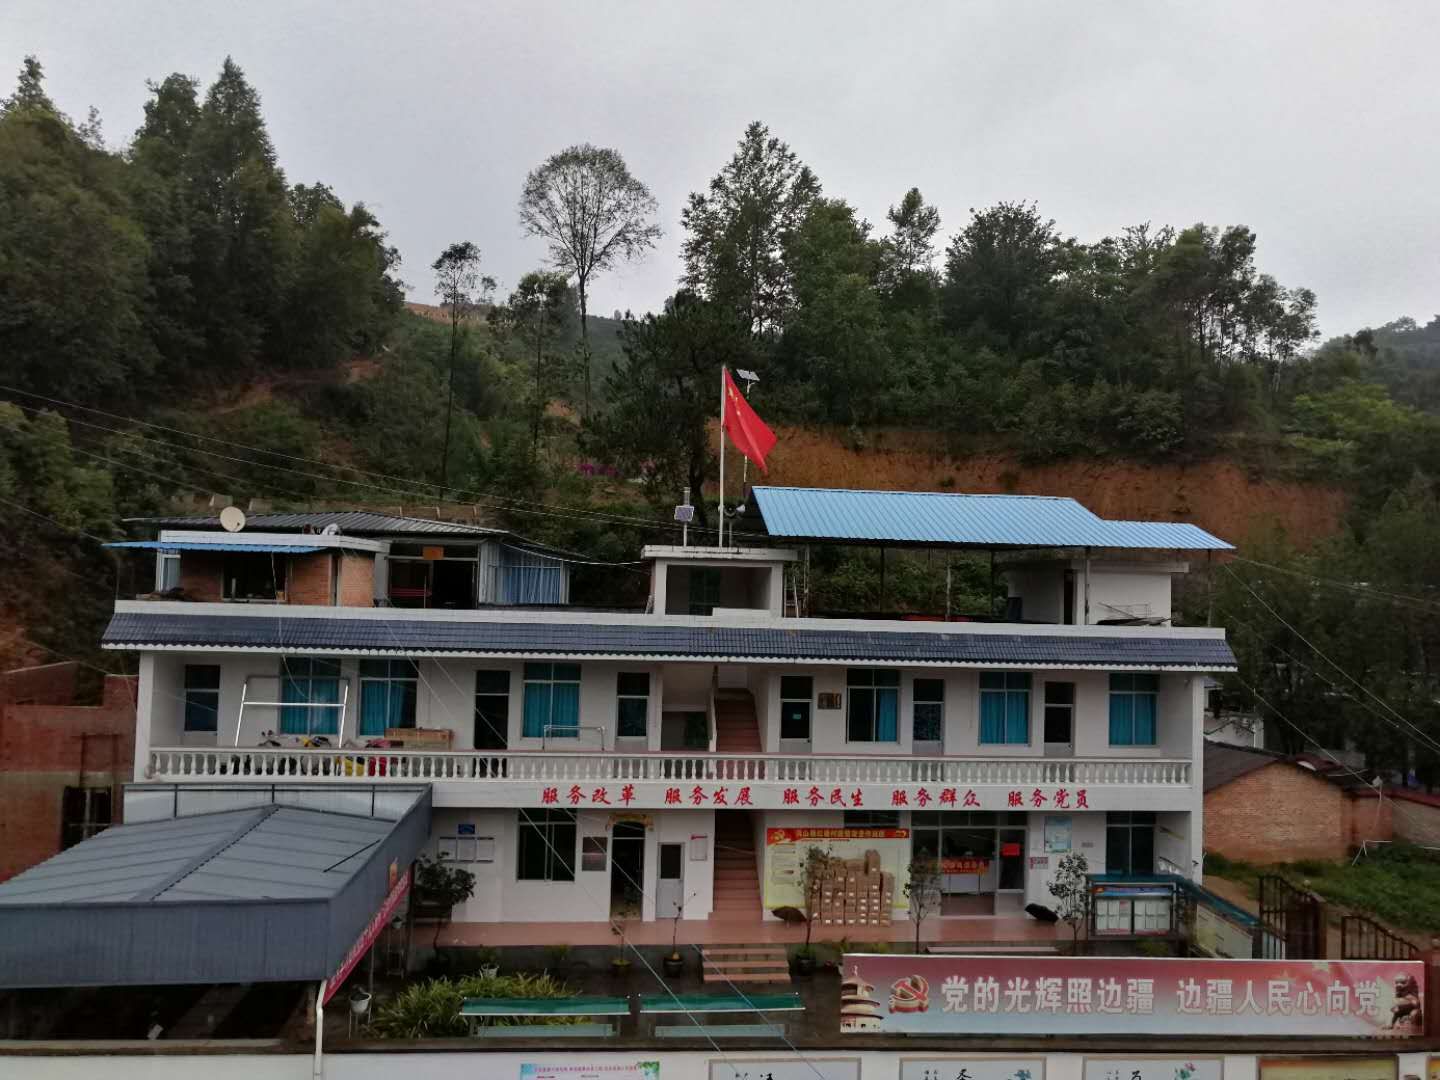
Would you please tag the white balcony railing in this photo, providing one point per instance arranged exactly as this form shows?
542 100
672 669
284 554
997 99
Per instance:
479 766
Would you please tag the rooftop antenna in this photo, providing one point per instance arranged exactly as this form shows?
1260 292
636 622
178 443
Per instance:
685 513
232 519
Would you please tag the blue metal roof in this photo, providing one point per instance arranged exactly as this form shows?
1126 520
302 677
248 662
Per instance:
920 517
401 637
199 545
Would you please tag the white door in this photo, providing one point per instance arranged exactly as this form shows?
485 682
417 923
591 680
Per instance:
670 885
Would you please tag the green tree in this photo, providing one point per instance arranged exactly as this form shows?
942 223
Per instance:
462 289
595 216
737 229
1000 273
538 313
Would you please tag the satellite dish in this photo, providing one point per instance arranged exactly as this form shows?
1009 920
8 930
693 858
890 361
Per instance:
232 519
330 530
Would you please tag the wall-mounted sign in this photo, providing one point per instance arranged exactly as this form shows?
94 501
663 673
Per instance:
699 847
1057 833
828 796
432 553
968 864
974 1067
1154 1068
638 1070
796 1067
1329 1068
827 701
1039 862
785 851
941 995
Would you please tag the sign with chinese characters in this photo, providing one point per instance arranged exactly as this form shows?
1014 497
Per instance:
1329 1068
1057 832
964 864
785 856
795 1067
623 1070
972 1068
938 995
770 796
1154 1068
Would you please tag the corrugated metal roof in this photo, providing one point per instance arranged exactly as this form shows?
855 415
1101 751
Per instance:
271 853
195 545
140 630
354 522
920 517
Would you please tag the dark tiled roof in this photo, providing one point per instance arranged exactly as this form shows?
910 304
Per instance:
139 630
1224 763
352 522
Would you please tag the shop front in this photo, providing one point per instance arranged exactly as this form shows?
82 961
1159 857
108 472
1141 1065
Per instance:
981 855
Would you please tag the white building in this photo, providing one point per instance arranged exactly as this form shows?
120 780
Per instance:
585 764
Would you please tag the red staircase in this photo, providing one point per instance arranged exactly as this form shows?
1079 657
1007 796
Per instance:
737 882
737 731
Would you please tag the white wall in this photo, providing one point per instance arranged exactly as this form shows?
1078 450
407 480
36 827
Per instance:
1120 591
501 897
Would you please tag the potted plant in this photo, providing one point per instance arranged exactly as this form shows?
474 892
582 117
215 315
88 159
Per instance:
674 963
619 963
438 888
818 865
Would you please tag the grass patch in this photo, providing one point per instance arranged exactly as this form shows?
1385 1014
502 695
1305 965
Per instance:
1399 885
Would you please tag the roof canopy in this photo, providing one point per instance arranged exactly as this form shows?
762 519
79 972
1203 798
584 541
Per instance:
353 522
265 893
200 545
980 521
975 646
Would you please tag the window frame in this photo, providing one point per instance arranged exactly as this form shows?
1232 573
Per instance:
703 601
545 823
1124 821
1127 689
298 670
492 696
1021 690
530 675
279 576
871 819
193 692
916 701
795 699
623 696
410 686
869 682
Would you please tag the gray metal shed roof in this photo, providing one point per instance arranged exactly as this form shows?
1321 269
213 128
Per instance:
401 637
267 893
924 517
354 522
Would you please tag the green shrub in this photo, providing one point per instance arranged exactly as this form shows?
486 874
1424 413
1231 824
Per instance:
431 1009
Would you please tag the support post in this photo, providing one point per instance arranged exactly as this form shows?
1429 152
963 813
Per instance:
318 1068
1086 618
721 533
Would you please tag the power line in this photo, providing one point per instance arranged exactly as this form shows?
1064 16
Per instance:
1367 590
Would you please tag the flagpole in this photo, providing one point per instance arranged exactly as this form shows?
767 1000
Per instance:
721 534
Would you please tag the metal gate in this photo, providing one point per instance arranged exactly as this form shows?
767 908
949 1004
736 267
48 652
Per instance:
1365 939
1292 921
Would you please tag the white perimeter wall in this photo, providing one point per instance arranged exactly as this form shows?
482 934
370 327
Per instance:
494 1065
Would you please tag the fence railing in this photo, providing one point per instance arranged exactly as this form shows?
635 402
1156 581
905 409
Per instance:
1362 938
183 763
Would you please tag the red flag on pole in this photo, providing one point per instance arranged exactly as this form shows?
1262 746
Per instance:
746 430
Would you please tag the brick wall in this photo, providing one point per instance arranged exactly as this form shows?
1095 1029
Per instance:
1284 812
47 684
41 752
309 578
357 579
1417 817
202 575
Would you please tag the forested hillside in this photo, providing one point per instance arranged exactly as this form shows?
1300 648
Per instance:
179 319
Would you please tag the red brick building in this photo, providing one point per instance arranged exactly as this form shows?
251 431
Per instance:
61 764
1264 807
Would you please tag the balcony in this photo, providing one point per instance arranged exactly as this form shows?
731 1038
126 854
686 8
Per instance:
706 780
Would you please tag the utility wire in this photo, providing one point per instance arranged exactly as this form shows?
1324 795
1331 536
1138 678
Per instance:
1367 590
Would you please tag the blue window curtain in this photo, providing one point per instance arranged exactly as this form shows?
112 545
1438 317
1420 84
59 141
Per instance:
1005 707
387 695
552 701
1134 709
306 683
887 710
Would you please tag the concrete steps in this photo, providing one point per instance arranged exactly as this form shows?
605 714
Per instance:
745 963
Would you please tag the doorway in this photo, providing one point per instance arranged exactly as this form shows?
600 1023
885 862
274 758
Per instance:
1059 719
670 885
982 858
453 583
627 869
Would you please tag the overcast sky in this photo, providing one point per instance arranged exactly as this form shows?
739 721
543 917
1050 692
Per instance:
1313 123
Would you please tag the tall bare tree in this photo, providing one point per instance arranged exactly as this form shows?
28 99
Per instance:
462 288
595 216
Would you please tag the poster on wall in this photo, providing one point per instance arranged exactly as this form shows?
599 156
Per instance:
1154 1068
943 995
795 1067
785 858
1329 1068
1057 833
622 1070
972 1067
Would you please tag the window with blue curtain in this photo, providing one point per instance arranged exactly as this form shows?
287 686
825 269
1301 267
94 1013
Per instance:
1133 709
387 695
1005 707
552 701
872 705
304 683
